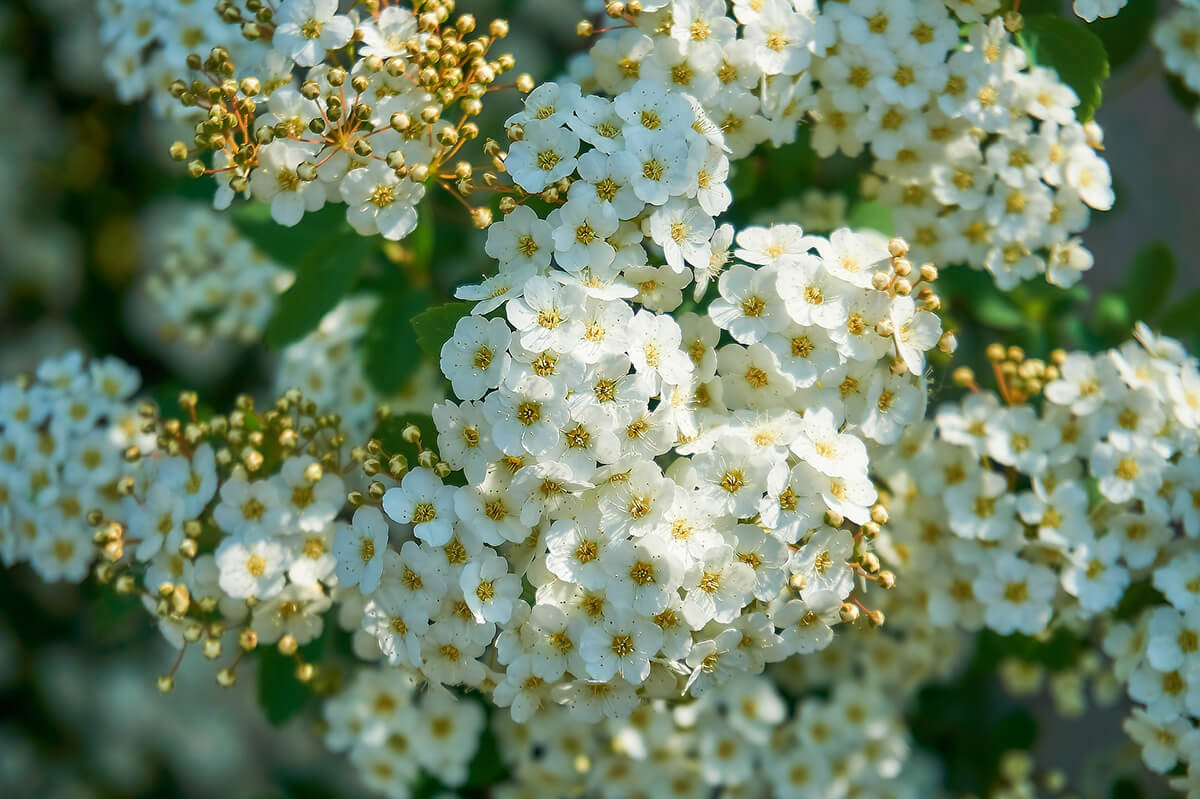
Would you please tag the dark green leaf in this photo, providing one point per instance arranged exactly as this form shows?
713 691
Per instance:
288 246
389 357
323 276
1149 281
998 311
1124 34
487 768
1071 50
1111 317
1183 318
873 215
280 694
434 326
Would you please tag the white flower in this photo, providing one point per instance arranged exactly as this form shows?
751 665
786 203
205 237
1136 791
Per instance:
749 307
526 415
653 347
643 575
250 510
622 643
807 624
1095 577
581 227
1088 10
276 180
546 314
380 202
251 568
305 29
657 167
717 587
423 501
360 548
811 295
544 155
490 591
476 357
576 553
312 495
157 522
520 239
1016 594
916 332
828 450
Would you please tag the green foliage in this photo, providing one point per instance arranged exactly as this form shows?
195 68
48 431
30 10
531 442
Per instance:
1124 34
1071 50
389 359
1183 318
1035 315
1144 296
323 278
280 694
1149 279
324 252
434 326
873 215
390 431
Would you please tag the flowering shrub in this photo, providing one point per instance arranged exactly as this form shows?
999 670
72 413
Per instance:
717 414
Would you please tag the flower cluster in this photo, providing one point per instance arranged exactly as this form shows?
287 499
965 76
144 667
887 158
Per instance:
1018 536
205 280
230 528
648 501
368 126
1046 515
62 435
1178 37
147 44
392 732
738 737
980 155
327 368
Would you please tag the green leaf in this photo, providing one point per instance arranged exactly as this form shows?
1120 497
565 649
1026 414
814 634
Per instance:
1112 318
434 326
1149 281
288 246
998 311
1182 319
390 431
487 767
1124 34
280 694
389 357
324 275
873 215
1071 50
